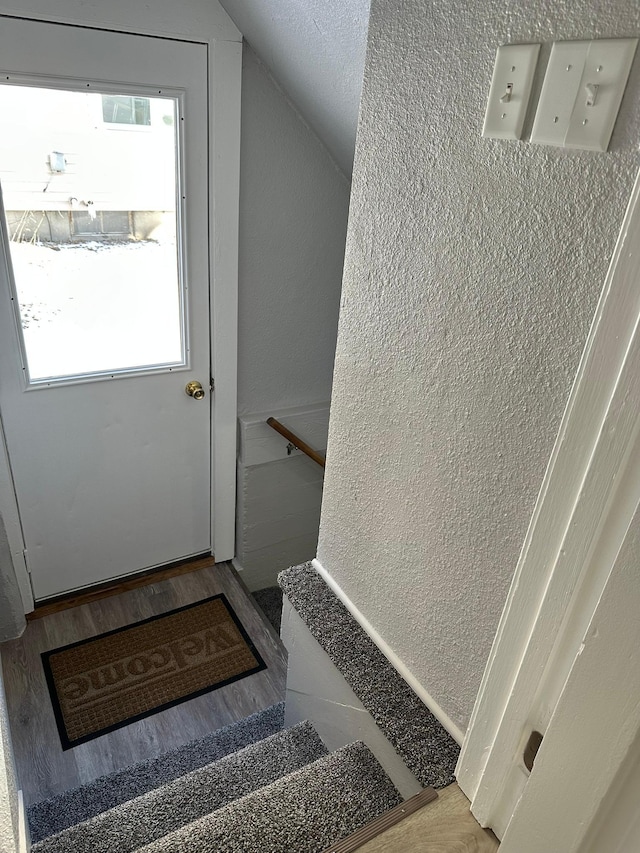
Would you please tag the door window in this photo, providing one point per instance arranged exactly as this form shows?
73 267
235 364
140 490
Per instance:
90 184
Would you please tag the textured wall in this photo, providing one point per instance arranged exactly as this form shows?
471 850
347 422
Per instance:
315 50
293 220
472 272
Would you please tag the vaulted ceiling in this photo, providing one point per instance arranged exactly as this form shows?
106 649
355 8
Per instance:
315 51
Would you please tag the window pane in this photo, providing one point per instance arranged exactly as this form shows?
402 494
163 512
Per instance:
92 224
124 109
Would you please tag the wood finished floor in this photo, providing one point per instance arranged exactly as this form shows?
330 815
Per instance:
42 766
444 826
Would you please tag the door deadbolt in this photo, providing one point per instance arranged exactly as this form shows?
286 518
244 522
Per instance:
195 390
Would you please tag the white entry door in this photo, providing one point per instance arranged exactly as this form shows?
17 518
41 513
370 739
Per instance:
104 299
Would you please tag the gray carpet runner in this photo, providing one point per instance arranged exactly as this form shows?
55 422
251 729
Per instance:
305 812
78 805
420 740
129 826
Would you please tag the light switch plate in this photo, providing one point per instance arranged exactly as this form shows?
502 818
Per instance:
510 90
559 92
581 93
607 68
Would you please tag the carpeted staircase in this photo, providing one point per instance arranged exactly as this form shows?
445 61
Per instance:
256 787
250 787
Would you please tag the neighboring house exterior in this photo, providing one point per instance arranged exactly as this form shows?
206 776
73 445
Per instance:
74 165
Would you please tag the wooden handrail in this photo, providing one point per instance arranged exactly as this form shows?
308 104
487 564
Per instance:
298 443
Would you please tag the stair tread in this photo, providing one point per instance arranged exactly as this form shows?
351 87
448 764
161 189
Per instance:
304 812
160 811
424 745
79 804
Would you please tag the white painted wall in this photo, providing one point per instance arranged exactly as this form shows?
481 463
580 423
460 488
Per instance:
316 52
279 494
472 272
293 220
278 517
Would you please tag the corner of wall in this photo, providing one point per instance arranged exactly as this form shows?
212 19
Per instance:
454 730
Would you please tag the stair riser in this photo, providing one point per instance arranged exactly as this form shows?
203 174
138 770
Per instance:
80 804
127 827
305 812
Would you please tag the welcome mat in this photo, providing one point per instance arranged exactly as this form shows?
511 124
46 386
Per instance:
106 682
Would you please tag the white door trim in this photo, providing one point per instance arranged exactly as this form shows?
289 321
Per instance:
585 506
572 800
225 77
205 22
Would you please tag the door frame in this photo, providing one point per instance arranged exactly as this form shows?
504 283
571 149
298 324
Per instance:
586 504
202 22
574 800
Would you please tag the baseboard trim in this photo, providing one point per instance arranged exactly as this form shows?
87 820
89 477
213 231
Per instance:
455 731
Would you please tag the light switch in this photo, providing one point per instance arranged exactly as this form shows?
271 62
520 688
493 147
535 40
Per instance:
510 90
582 91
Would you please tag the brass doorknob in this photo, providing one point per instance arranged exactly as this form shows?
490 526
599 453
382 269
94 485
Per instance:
195 390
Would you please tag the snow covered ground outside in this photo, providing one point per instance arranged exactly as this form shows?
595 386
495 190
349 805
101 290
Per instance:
97 306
